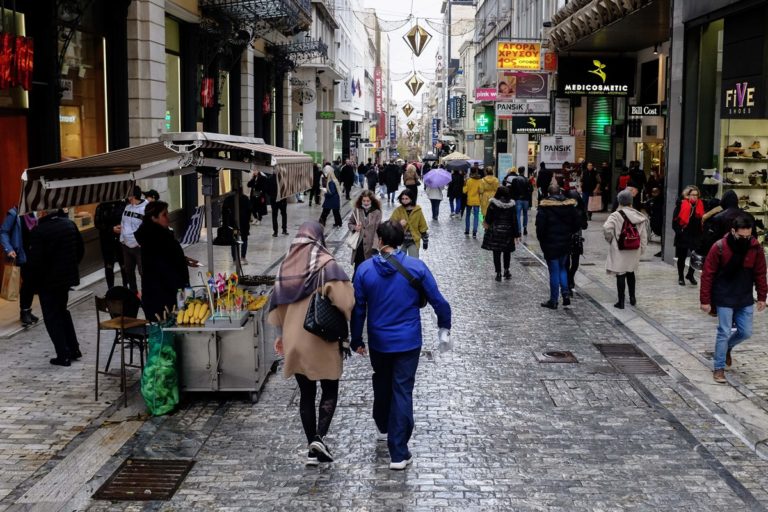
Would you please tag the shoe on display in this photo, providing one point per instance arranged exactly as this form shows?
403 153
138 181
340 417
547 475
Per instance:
736 144
753 204
733 181
755 145
757 155
710 181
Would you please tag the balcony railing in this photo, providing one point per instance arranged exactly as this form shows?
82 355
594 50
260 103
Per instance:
285 16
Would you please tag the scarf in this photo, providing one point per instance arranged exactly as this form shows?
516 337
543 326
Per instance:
299 274
685 212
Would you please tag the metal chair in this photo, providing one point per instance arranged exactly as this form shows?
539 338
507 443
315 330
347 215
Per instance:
129 331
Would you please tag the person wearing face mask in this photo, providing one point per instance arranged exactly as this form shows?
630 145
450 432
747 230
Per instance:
735 265
365 219
411 217
163 260
687 223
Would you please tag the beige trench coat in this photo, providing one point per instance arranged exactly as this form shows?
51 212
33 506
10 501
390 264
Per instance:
618 261
305 353
368 234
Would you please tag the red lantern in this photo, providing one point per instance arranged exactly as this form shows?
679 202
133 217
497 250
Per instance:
16 61
6 59
206 93
266 105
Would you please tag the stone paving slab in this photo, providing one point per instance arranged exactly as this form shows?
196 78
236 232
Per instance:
488 434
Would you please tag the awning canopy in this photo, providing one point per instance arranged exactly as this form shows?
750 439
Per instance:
109 176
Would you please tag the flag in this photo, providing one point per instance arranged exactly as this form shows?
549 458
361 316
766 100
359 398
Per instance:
353 87
359 89
192 234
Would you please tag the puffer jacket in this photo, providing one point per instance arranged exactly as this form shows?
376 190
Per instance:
387 303
414 219
503 227
473 187
487 191
556 222
55 251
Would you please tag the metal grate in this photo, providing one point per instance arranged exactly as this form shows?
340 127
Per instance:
556 356
145 480
527 262
628 359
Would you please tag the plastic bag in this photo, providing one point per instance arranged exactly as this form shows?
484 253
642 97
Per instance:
160 380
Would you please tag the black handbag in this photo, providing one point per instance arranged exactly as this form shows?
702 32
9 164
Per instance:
411 280
325 320
225 235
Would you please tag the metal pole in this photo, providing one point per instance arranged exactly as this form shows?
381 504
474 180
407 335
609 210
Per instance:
448 66
207 192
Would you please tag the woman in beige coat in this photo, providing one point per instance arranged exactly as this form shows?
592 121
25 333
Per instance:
365 219
308 267
623 262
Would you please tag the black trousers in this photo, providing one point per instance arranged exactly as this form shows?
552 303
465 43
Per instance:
348 188
336 216
622 281
314 193
573 267
27 292
282 207
497 260
58 321
316 424
681 253
131 260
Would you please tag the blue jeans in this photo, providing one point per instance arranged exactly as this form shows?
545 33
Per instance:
455 205
521 207
475 211
725 339
394 375
558 278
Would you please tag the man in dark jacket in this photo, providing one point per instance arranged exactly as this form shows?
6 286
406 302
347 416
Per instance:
520 189
372 176
605 184
384 296
55 251
107 216
543 180
392 176
270 188
348 177
241 223
734 267
361 170
556 222
590 183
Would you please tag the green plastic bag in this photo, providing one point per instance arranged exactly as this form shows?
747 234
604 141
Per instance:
160 380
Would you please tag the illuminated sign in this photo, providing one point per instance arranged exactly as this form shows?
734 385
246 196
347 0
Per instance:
520 55
579 76
530 124
741 100
483 122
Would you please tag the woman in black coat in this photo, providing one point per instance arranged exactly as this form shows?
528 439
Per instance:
163 262
455 191
258 195
577 245
243 222
501 230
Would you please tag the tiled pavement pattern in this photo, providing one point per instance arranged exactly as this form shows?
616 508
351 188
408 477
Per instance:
495 430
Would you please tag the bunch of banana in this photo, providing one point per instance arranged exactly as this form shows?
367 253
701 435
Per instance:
195 312
257 302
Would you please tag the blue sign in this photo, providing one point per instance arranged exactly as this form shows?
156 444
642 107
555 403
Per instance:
392 130
435 130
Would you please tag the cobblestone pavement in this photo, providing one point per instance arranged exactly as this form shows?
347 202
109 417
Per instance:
495 429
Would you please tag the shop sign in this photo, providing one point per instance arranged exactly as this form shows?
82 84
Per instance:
16 61
66 88
483 122
509 109
645 110
506 162
378 101
328 115
470 137
530 124
556 151
485 94
579 76
352 143
522 55
550 61
435 130
516 85
392 129
741 99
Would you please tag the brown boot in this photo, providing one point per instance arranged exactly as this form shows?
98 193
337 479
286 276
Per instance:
719 376
728 360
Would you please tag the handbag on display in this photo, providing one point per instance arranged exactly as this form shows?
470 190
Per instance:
323 319
353 239
11 281
595 204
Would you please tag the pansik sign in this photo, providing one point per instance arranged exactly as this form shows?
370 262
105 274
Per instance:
555 151
578 76
508 109
522 55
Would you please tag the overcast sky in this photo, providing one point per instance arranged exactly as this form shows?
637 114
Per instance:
400 54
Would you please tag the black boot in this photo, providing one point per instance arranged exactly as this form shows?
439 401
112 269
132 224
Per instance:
507 275
621 284
631 286
690 277
498 276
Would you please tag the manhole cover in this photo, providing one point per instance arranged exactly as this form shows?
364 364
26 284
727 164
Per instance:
627 358
144 480
527 262
556 356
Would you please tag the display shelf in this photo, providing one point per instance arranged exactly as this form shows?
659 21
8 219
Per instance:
743 185
746 159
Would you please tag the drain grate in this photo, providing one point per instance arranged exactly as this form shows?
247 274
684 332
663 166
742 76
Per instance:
527 262
145 480
628 359
556 356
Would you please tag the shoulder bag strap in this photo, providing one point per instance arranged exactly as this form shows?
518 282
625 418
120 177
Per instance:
400 268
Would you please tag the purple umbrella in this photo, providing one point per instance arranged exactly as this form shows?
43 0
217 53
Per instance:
437 178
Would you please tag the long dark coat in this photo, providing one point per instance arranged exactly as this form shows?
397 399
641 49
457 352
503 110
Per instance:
503 228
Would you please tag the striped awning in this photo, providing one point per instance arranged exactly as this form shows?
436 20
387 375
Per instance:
109 176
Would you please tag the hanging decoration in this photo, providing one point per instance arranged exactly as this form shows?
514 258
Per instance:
408 109
16 58
206 93
414 84
410 125
417 39
458 27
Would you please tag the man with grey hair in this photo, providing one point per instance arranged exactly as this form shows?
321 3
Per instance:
556 222
55 251
626 231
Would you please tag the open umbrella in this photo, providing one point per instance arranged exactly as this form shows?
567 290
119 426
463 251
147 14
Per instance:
455 156
457 165
437 178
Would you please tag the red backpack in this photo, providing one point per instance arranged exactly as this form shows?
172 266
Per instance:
623 181
629 239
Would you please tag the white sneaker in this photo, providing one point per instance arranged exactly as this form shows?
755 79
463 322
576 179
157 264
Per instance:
402 464
311 460
243 261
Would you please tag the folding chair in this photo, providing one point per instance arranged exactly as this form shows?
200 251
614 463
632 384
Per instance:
121 306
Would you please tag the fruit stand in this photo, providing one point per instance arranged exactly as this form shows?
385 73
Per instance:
225 347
